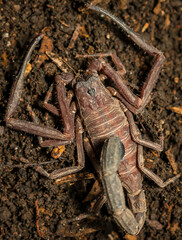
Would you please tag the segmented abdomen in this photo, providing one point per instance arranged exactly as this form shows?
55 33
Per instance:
108 121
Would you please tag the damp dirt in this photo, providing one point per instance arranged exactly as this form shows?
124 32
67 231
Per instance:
34 207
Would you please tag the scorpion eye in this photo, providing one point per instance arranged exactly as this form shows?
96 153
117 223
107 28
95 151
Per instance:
91 92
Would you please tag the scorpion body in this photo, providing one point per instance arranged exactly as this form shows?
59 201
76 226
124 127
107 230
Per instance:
103 117
108 120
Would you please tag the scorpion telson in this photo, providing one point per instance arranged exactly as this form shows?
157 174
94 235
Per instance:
100 113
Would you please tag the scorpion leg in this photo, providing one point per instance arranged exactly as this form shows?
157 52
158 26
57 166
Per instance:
65 78
137 102
51 108
152 175
91 154
134 110
95 211
111 156
54 110
136 135
120 67
33 127
80 156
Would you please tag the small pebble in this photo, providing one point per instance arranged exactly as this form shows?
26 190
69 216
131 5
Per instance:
108 36
5 35
8 44
17 8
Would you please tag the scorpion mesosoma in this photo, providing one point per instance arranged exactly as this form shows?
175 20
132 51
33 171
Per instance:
103 113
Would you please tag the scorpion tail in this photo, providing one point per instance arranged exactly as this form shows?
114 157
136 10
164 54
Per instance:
132 221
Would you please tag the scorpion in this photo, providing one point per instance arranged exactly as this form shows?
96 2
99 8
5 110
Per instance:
104 114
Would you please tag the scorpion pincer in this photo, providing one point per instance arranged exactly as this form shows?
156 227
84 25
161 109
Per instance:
102 113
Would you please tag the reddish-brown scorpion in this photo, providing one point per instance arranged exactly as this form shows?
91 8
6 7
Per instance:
103 113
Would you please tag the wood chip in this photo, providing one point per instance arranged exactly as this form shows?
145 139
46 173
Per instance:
46 45
175 109
171 159
145 27
28 69
75 177
83 32
59 61
63 23
74 37
176 79
157 8
130 237
5 60
169 215
167 21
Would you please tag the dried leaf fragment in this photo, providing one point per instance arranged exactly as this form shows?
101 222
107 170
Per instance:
46 45
5 60
123 4
174 227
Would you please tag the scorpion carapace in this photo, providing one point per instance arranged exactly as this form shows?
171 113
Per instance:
91 94
101 112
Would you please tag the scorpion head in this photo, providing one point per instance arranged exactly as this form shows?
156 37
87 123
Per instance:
91 94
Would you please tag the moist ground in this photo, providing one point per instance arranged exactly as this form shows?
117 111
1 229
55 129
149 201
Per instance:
31 205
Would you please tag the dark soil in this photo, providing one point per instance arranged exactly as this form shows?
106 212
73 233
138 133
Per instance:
23 188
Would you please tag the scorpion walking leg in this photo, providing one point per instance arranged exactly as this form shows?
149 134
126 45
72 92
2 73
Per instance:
65 78
134 110
80 156
91 154
120 67
136 135
149 84
51 108
112 154
152 175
